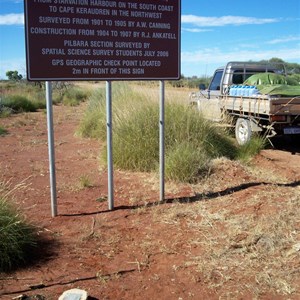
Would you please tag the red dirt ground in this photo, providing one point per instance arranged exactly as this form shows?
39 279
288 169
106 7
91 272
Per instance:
136 251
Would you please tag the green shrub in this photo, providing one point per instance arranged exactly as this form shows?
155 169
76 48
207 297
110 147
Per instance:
33 92
57 97
136 138
18 104
17 237
38 99
190 140
250 149
5 112
74 96
293 79
186 163
186 124
3 131
93 124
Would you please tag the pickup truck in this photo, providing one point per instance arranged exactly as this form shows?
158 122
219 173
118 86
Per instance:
230 97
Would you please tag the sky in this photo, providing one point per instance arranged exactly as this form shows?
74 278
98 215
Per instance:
212 33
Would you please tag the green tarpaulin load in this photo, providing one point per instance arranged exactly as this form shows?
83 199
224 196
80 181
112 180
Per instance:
274 84
279 89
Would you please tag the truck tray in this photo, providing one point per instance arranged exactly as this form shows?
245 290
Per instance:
261 105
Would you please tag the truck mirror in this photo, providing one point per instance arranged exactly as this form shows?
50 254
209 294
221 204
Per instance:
202 86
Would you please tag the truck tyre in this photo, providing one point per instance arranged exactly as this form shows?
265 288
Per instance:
243 131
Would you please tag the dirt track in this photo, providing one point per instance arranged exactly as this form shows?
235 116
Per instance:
182 249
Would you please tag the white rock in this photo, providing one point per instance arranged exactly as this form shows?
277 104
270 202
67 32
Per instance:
74 294
297 247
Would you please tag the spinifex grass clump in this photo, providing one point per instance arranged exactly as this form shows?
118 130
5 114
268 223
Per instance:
250 149
136 137
3 131
73 96
186 162
93 124
17 97
17 103
17 238
190 141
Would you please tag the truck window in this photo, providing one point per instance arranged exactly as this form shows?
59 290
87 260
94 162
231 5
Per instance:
239 76
216 81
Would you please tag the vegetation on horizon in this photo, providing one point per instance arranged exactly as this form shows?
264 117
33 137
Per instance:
14 75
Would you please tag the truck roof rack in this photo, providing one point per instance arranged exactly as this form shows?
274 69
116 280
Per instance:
266 65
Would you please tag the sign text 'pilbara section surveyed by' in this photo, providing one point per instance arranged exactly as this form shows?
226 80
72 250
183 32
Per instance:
93 39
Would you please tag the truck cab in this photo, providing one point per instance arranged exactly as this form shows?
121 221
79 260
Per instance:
207 100
237 73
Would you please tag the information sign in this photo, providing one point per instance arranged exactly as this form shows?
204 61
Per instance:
109 40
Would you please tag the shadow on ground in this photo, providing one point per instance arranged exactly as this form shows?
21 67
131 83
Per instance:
288 143
191 199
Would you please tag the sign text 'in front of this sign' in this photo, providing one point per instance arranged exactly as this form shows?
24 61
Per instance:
93 39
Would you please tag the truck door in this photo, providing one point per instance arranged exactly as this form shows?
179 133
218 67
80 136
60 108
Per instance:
214 88
210 104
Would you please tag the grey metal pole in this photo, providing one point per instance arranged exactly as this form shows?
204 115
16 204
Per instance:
109 146
162 139
51 148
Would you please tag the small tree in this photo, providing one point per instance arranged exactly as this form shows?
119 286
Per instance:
14 75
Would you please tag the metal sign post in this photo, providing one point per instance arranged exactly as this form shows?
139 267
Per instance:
109 146
162 139
51 148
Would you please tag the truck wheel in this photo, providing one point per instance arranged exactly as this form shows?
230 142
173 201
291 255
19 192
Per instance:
243 131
